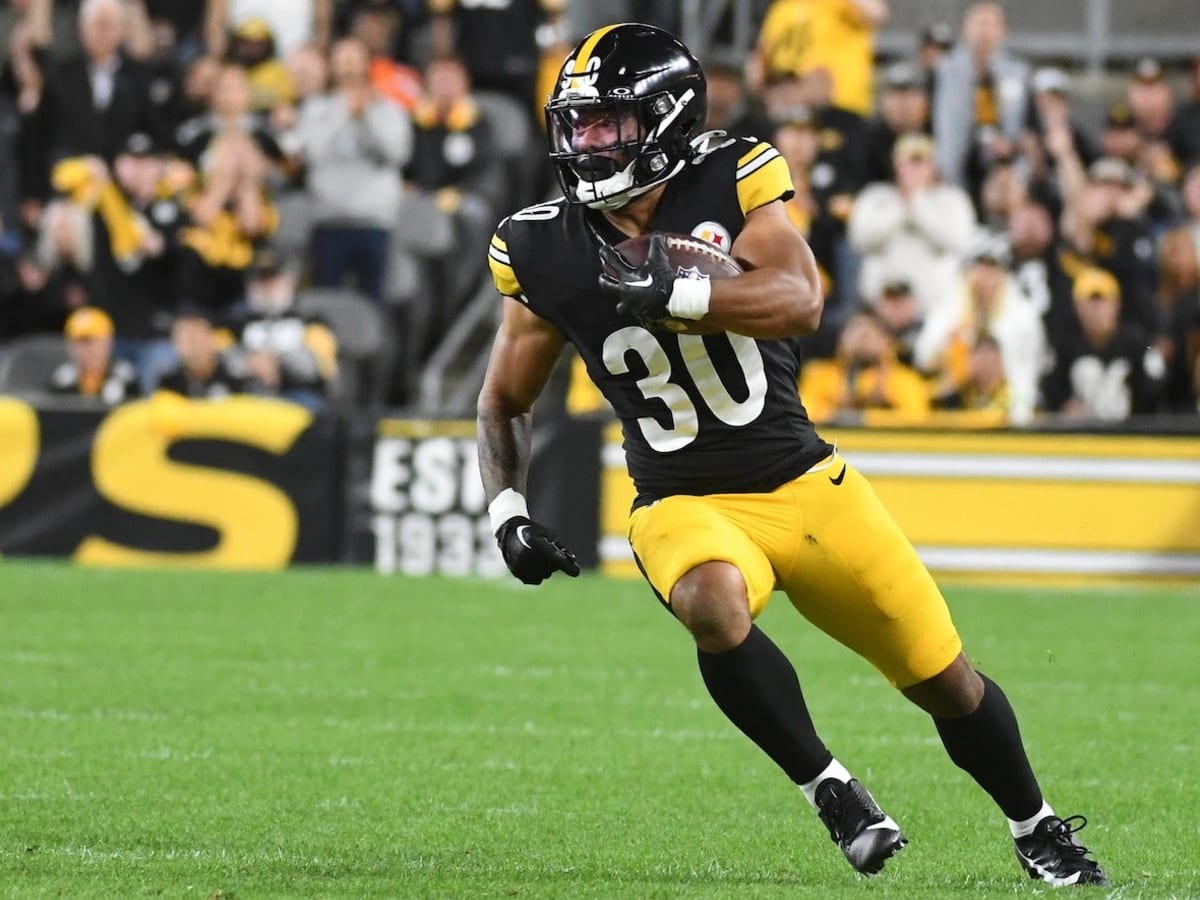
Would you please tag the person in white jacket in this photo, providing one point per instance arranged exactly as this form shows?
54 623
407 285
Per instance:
987 302
913 229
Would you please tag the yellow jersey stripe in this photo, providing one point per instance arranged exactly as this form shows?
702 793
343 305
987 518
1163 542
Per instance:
761 147
766 182
585 52
503 276
499 242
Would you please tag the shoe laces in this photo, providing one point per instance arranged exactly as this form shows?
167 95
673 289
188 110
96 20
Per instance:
1061 834
846 809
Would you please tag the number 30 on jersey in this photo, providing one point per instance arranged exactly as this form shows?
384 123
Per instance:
657 384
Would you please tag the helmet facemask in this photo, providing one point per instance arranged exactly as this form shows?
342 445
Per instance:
608 150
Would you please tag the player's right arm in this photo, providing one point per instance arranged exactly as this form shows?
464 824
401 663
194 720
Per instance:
523 355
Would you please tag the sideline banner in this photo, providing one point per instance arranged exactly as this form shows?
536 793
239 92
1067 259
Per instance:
245 482
1006 503
423 510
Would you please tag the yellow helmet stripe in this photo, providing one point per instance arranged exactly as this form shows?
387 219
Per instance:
585 51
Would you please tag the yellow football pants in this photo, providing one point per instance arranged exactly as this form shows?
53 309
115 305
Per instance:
827 541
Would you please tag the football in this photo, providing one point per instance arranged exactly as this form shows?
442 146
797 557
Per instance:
691 258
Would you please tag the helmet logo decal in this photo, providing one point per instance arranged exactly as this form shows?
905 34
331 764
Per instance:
715 233
580 83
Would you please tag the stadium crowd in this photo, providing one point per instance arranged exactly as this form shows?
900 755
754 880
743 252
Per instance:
246 195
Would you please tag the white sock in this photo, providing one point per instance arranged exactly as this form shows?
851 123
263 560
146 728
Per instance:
1025 827
834 770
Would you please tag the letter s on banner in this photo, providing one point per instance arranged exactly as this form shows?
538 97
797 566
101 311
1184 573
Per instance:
256 522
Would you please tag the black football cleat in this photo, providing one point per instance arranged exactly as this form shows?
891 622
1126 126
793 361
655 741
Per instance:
866 835
1052 853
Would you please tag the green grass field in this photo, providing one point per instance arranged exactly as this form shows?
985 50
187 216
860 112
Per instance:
342 734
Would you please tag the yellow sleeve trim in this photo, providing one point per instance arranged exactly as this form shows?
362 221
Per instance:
759 149
502 272
499 243
762 176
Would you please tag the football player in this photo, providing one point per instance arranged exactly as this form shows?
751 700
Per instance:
737 495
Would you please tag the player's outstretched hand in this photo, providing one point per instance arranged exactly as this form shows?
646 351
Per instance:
642 291
532 552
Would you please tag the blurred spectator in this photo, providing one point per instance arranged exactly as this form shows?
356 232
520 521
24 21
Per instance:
230 112
864 376
1184 133
982 99
405 23
252 46
183 24
294 23
842 132
376 23
914 229
822 202
133 214
229 205
1107 371
199 80
799 37
730 109
287 354
1036 270
1150 99
454 164
308 70
1179 299
983 398
1103 223
92 103
354 142
499 43
936 41
92 371
903 109
1003 192
898 309
987 303
201 372
1051 110
1120 138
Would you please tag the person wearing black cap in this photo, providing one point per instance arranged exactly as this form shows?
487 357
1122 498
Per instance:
903 109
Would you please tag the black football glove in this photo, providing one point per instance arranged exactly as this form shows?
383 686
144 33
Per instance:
642 291
531 551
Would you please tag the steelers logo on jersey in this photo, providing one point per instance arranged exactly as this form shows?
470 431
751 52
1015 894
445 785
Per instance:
715 233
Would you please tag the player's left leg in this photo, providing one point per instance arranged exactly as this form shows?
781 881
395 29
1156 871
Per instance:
856 576
980 733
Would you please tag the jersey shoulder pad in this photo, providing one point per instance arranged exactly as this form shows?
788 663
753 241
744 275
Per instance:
527 228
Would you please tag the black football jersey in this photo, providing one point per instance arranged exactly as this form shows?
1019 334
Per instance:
700 415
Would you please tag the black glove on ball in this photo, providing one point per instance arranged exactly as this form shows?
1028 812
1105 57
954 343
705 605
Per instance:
642 291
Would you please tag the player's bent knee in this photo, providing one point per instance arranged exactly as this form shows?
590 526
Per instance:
954 692
712 603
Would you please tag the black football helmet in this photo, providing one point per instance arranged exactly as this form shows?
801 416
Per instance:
630 99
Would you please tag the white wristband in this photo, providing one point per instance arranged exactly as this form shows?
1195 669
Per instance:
508 503
689 298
